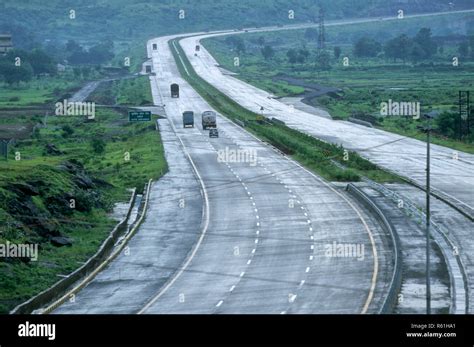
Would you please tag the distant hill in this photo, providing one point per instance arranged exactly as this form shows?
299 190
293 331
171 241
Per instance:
39 20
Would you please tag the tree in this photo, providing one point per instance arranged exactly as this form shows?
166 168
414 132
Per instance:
98 145
268 52
417 53
311 34
322 60
41 62
292 56
15 74
261 41
337 52
447 124
303 54
72 46
471 44
101 53
67 131
366 47
463 49
399 48
425 41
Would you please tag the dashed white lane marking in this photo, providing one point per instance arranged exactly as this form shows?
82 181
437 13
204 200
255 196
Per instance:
307 269
311 237
256 241
302 282
249 261
257 232
312 246
232 289
311 257
242 274
283 312
309 222
253 251
219 303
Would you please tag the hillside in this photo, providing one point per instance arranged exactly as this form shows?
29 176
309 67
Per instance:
31 21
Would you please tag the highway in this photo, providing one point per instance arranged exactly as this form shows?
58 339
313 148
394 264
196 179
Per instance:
252 236
253 240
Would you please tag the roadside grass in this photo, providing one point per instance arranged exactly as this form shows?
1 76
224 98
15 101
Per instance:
311 152
133 154
134 91
36 92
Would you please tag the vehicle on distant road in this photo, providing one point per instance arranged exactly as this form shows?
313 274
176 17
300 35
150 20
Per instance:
209 120
174 90
188 119
148 68
155 46
198 48
213 133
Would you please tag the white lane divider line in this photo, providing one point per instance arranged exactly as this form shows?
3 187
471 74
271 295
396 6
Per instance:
242 274
249 261
231 289
307 269
253 251
311 257
302 282
219 303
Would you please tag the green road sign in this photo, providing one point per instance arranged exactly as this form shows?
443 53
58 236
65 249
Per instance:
139 116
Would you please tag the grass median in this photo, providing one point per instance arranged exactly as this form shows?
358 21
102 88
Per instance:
319 156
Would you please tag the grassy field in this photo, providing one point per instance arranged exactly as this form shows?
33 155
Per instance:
114 154
37 92
313 153
365 83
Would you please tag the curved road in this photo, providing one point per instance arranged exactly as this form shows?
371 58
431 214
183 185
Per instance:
262 244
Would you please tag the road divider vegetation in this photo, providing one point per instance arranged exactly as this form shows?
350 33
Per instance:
315 154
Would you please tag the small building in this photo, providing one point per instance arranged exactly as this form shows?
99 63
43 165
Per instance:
5 43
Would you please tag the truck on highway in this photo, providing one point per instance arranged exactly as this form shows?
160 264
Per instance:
209 120
148 68
188 119
174 90
155 46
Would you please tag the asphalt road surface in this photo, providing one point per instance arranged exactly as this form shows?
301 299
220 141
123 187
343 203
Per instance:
257 237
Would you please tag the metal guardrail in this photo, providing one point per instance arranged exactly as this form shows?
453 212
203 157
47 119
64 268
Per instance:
457 272
360 122
61 287
396 282
240 123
